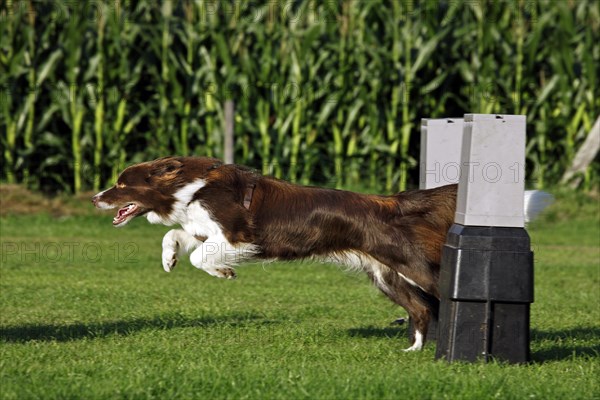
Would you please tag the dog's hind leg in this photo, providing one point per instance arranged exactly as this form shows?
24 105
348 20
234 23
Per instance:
421 307
410 297
175 244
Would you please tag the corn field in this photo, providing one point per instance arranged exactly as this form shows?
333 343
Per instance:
326 92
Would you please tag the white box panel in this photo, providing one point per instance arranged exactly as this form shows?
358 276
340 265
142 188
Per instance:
492 180
441 143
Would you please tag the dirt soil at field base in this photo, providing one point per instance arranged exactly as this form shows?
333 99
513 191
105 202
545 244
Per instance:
18 200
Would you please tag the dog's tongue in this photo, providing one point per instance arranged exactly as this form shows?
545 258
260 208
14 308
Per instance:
123 213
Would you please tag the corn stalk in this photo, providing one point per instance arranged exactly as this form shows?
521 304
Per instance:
99 111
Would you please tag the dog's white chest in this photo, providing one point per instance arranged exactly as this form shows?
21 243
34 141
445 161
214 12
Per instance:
198 221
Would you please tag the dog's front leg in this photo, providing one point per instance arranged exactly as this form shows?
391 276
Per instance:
216 255
175 244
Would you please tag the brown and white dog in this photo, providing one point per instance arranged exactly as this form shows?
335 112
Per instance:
230 213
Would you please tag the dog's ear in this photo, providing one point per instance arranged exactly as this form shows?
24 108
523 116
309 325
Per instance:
165 168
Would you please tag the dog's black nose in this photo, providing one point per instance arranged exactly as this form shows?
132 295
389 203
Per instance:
95 199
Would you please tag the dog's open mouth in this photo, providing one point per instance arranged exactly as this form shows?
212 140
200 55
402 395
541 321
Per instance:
125 214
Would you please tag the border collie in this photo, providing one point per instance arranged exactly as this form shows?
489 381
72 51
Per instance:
229 213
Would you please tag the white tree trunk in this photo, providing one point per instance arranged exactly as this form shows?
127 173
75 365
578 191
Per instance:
584 157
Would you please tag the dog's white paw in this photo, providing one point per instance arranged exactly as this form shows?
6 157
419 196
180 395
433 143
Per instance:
169 259
418 344
223 272
414 347
169 254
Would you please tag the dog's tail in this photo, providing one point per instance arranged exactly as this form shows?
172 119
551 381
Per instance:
535 202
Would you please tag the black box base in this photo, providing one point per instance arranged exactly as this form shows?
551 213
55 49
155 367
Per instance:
486 287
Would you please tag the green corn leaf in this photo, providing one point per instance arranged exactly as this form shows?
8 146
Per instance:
547 89
48 66
426 51
352 114
434 84
326 112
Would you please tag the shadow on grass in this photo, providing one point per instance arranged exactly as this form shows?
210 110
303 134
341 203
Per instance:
77 331
566 343
556 345
378 332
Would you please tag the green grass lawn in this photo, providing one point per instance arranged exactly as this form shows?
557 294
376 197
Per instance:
86 311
